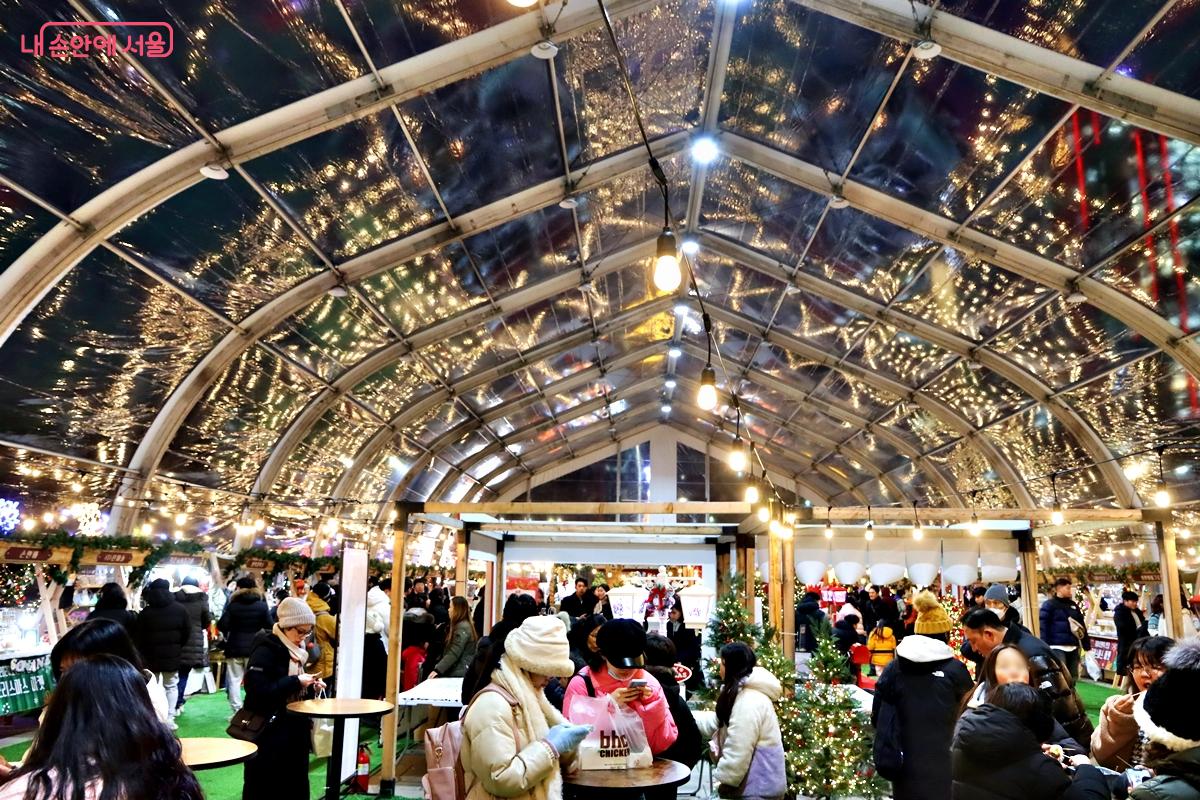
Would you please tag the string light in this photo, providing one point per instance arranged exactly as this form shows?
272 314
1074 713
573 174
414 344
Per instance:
260 524
869 533
975 529
180 519
917 532
1056 511
828 528
739 454
706 397
1162 495
29 523
764 507
667 274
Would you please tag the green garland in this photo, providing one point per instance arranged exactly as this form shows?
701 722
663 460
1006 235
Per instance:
287 562
1088 574
155 553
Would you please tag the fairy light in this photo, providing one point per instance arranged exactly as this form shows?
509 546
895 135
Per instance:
1056 511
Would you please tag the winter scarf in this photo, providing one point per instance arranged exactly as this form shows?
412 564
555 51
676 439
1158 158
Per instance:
516 682
297 656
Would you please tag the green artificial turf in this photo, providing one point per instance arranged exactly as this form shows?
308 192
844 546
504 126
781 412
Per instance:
1093 696
208 715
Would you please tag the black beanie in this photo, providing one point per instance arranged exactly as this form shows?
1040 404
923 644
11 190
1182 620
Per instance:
1166 712
622 642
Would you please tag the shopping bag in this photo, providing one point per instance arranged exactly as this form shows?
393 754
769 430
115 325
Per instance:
618 737
1092 666
322 733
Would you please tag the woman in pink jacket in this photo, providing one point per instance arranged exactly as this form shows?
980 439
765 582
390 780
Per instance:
622 643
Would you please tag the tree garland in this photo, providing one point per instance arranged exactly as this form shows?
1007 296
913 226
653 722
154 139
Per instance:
155 553
1087 574
287 563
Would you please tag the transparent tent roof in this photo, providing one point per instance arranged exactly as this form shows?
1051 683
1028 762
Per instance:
386 300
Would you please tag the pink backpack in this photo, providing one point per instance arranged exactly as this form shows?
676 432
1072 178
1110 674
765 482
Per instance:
444 778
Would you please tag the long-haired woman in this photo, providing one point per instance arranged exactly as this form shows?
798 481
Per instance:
100 740
113 604
747 740
460 642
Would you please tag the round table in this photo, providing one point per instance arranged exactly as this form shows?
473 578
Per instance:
204 753
339 710
609 782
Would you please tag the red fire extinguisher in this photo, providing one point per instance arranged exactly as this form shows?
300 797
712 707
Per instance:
362 775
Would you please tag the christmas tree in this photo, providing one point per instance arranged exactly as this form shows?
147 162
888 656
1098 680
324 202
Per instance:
827 738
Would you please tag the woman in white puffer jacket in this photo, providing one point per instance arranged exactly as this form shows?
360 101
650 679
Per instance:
747 742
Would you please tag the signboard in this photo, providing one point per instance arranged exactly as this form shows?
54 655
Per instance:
113 558
835 596
184 561
36 555
24 683
263 564
1104 651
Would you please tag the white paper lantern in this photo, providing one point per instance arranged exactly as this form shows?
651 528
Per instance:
998 558
626 601
887 561
849 561
924 558
697 602
812 559
960 561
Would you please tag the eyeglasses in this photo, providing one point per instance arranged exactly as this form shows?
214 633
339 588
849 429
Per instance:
1149 669
304 631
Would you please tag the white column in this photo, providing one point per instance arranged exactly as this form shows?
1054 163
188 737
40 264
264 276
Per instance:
664 470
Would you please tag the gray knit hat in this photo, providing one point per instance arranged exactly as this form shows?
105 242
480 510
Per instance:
294 612
997 592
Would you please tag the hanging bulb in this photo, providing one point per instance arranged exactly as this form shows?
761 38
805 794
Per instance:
764 512
522 3
76 486
667 274
29 523
739 457
331 525
180 519
260 524
918 532
828 529
975 529
869 535
752 495
1056 514
774 527
706 398
1162 497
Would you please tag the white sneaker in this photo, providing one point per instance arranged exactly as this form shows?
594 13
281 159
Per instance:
173 726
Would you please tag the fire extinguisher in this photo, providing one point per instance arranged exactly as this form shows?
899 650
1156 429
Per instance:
362 776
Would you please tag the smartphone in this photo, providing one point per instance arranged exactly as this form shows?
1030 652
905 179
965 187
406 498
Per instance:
637 683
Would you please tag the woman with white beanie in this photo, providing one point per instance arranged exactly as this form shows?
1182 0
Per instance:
275 676
514 741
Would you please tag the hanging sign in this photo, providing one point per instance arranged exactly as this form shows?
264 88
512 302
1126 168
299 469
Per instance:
121 558
184 561
1104 651
36 555
264 564
836 596
24 683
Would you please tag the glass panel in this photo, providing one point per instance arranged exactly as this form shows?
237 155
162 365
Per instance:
1170 55
979 395
470 352
629 209
1095 185
393 388
759 210
73 128
230 432
635 474
87 371
1038 446
394 30
915 424
691 467
802 373
527 250
949 133
593 483
854 395
221 243
970 472
351 188
900 355
479 139
21 224
1063 343
330 334
427 289
806 82
738 288
317 464
667 53
1093 30
866 253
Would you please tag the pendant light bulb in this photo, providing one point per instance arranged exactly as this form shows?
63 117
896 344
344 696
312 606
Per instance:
764 512
76 487
751 496
918 532
667 275
974 528
1162 497
869 535
1056 515
828 529
260 524
739 456
180 519
706 398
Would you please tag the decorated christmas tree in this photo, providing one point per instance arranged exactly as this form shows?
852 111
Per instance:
826 736
731 623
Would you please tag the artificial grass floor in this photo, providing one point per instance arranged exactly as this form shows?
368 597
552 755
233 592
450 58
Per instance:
1093 696
208 715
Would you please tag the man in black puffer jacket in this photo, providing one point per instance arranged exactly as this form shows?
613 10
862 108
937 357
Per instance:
985 631
245 615
161 631
195 652
809 618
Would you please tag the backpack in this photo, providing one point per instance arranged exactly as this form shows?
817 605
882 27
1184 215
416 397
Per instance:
444 778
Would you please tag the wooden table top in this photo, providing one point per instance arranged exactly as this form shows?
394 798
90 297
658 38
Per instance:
341 707
203 753
661 773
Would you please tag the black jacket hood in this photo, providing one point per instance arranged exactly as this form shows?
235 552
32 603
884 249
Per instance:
991 734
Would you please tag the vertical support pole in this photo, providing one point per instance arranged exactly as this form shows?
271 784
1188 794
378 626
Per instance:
775 585
789 601
724 568
39 575
498 586
387 781
744 546
1027 548
462 556
1169 564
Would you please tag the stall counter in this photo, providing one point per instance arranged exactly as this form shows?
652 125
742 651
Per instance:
25 679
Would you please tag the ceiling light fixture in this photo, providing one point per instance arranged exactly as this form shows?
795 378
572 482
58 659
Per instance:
705 150
669 383
523 3
690 247
837 199
544 50
665 408
1074 295
568 203
214 171
674 352
922 49
667 275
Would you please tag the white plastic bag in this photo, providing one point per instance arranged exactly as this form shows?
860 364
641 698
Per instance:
618 737
1093 668
322 734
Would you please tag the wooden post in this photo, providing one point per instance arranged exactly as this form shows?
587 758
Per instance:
387 780
1027 548
1169 565
462 556
744 545
789 601
775 585
498 584
723 568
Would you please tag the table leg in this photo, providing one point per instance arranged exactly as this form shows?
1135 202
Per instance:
333 774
